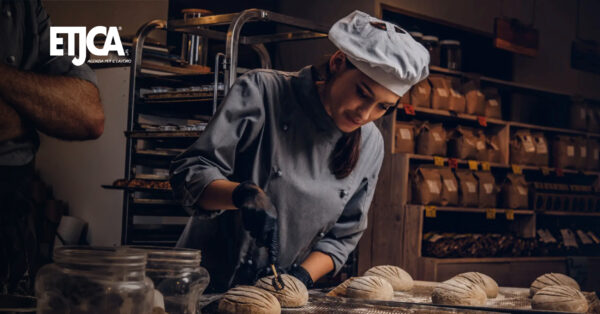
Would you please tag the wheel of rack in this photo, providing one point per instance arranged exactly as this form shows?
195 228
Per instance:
396 227
150 215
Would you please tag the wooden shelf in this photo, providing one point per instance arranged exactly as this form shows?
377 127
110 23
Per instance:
454 115
162 134
563 213
460 161
494 259
474 210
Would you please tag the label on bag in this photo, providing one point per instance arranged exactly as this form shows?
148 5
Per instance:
430 212
421 90
482 120
584 237
568 237
570 150
488 187
541 146
450 185
473 165
517 169
436 137
438 161
454 93
493 103
583 152
405 134
521 190
510 214
485 166
433 187
471 187
490 213
452 163
528 144
480 145
442 92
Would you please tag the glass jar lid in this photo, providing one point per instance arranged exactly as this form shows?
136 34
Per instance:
450 42
430 38
100 256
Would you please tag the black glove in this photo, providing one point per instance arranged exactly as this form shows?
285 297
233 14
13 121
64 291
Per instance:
257 213
302 275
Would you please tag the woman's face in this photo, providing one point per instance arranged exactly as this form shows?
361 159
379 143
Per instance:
351 98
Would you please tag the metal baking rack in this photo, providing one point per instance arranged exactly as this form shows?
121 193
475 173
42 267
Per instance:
173 91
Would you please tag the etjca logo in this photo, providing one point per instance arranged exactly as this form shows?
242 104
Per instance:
86 39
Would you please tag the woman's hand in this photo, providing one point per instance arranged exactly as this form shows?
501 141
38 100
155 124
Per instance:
258 213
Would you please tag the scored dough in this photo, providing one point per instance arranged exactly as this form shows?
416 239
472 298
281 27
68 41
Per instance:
552 279
248 300
396 276
560 298
370 288
458 291
340 290
294 294
484 281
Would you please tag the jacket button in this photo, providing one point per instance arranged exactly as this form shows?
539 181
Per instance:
343 193
8 13
285 127
279 173
11 59
322 234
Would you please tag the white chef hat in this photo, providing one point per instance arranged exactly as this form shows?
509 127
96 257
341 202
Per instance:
381 50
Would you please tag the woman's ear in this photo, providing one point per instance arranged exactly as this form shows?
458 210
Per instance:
337 62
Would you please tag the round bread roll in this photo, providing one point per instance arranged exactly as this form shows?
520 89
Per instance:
294 294
340 290
560 298
370 288
552 279
248 300
484 281
458 291
396 276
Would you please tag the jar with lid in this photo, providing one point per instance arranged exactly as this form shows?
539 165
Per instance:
451 54
418 36
432 44
177 275
94 280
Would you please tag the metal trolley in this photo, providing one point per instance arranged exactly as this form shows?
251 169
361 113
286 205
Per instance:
156 200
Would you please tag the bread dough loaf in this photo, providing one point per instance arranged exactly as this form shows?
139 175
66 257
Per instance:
560 298
248 300
552 279
294 294
458 291
484 281
396 276
370 288
340 290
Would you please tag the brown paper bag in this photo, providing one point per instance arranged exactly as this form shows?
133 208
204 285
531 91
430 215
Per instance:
440 92
493 104
431 139
404 137
427 187
482 152
420 94
542 153
457 101
515 191
593 156
522 148
493 148
468 195
488 190
563 152
449 187
580 153
475 99
462 143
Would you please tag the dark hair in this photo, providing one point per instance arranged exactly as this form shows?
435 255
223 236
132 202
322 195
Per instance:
347 149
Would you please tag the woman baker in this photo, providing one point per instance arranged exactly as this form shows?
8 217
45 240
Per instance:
290 161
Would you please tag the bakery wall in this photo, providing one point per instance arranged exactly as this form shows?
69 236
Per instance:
76 170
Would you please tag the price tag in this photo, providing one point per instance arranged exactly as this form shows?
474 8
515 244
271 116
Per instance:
545 171
559 172
409 109
510 214
430 211
485 166
453 163
438 161
473 165
517 169
482 121
490 213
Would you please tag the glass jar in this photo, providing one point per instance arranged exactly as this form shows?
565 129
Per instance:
177 274
451 54
94 280
432 44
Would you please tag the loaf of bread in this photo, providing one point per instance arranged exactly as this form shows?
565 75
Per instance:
458 291
370 288
552 279
560 298
248 300
396 276
294 294
485 282
340 290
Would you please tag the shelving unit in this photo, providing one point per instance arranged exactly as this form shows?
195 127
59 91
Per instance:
150 215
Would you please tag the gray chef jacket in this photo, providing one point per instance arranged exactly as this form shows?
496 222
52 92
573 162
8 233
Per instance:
25 45
273 129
